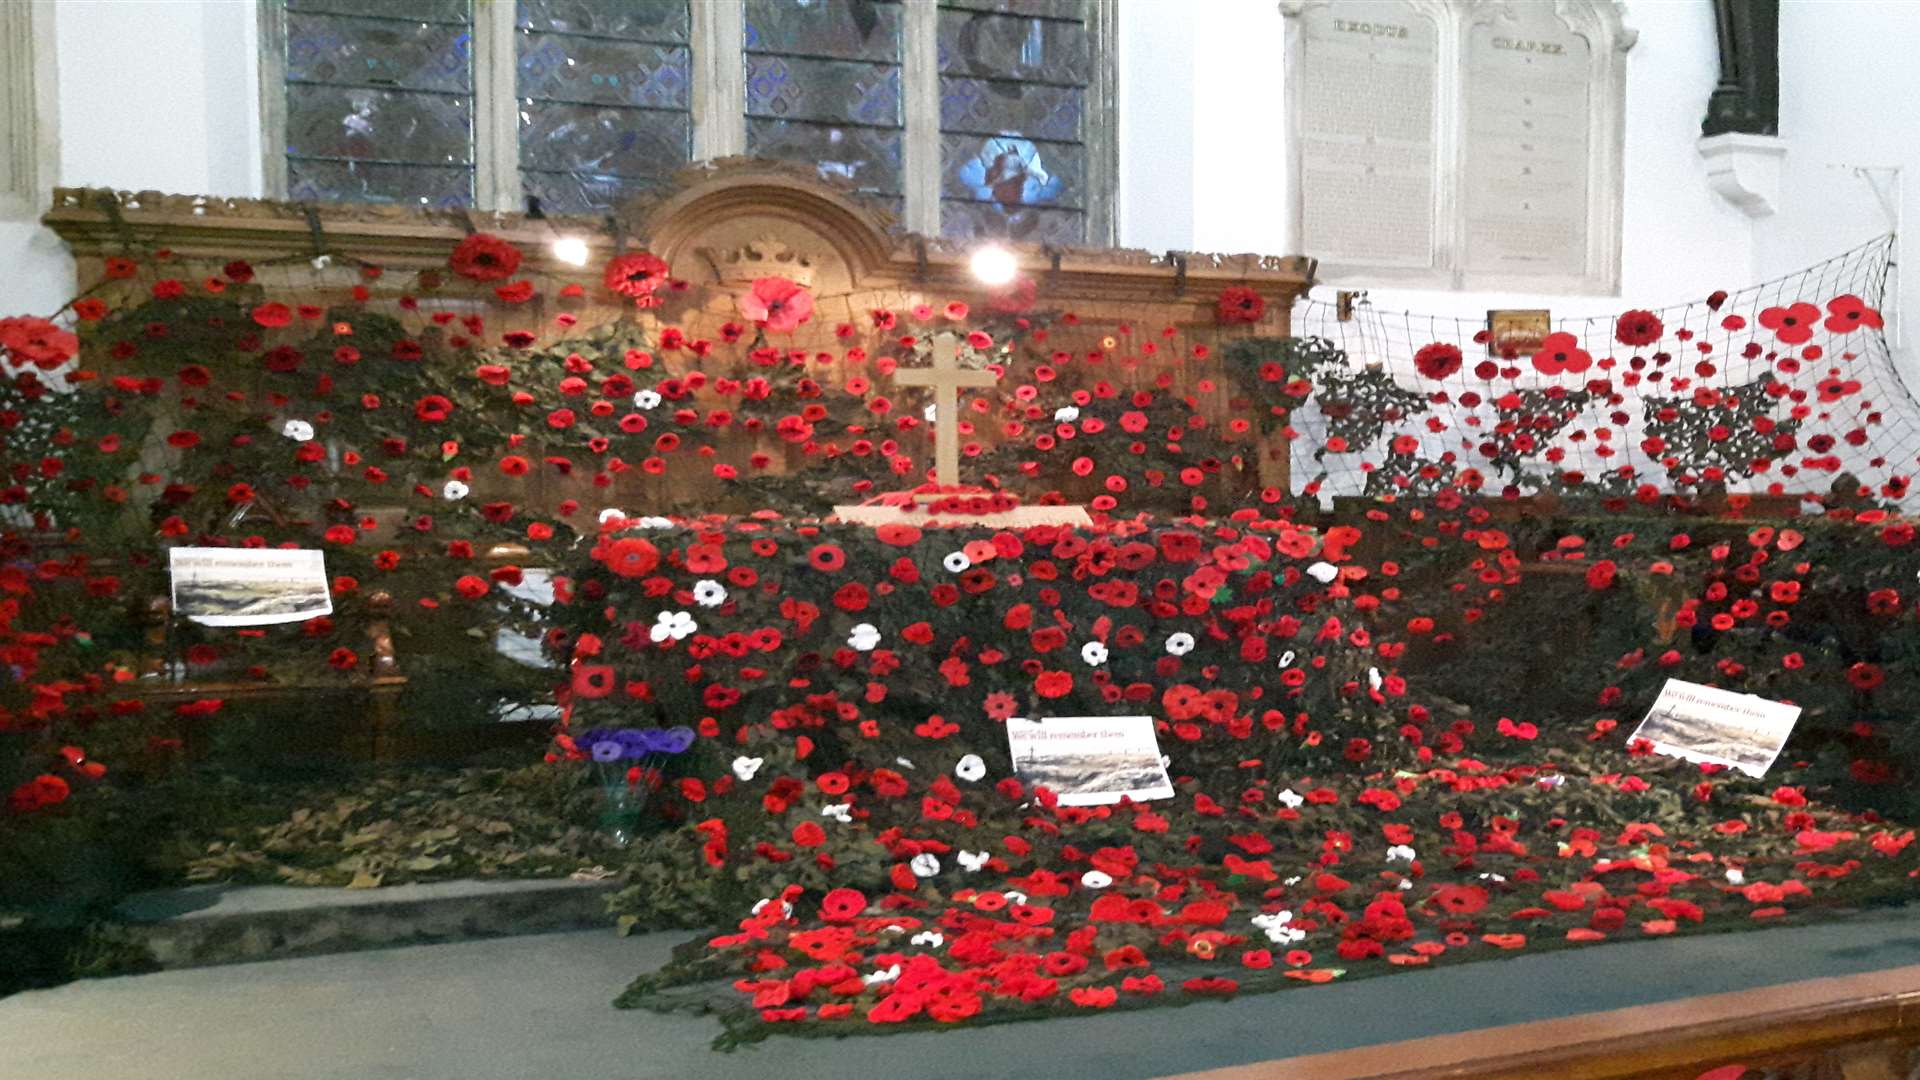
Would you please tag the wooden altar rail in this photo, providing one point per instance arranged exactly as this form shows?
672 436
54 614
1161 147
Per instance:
1852 1027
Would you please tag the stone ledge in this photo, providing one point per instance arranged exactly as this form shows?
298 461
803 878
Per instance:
204 925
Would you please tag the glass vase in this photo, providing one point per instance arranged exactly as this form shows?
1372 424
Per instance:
620 809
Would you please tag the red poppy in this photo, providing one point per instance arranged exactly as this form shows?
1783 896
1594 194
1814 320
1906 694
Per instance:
1239 304
1458 899
1864 676
636 274
1437 360
1848 313
842 905
631 557
272 315
29 340
592 680
484 257
1637 328
777 304
1793 324
432 409
1561 352
828 558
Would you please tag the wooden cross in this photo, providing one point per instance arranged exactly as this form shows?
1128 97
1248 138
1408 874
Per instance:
946 376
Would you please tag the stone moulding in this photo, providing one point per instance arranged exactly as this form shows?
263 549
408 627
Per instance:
674 223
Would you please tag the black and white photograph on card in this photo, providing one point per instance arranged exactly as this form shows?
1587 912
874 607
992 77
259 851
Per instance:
1089 760
1708 724
249 586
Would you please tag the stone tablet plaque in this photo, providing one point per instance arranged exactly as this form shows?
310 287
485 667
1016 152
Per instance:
1369 84
1527 155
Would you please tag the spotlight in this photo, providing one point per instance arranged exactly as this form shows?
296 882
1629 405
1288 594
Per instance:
994 265
570 250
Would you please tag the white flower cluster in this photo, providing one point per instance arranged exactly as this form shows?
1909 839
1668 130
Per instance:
1279 928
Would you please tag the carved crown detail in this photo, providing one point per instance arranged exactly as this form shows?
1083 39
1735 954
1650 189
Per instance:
766 257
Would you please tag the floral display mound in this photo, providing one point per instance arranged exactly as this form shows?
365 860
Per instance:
1380 759
852 815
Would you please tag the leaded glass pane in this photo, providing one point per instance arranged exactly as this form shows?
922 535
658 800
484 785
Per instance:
445 11
378 125
823 88
315 180
995 107
605 92
658 21
1013 171
790 88
378 52
843 29
380 101
614 142
1008 47
561 67
1033 224
870 158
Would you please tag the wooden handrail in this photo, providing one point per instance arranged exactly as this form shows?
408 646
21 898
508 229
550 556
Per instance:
1850 1027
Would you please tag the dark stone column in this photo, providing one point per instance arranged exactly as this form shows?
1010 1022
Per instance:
1747 99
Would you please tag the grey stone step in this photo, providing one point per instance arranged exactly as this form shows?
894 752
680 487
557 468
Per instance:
203 925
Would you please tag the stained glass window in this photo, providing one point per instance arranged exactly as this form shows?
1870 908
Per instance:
1014 78
605 98
379 101
823 86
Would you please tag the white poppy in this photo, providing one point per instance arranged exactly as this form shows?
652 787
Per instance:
930 412
972 861
1323 572
1374 681
1179 643
297 430
1400 852
1014 897
646 399
709 593
864 637
454 491
1291 799
904 763
970 768
1279 928
612 514
1094 879
928 939
1066 414
878 977
925 864
1286 659
956 561
1094 653
672 624
1736 876
1495 878
654 523
840 812
1551 782
745 767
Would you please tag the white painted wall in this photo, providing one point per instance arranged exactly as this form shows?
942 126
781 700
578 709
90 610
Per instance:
1848 84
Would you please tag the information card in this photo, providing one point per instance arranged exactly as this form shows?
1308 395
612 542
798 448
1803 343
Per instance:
249 586
1090 760
1703 723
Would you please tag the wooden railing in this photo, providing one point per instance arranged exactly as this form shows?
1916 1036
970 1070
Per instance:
1853 1027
